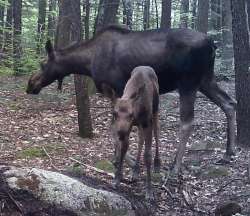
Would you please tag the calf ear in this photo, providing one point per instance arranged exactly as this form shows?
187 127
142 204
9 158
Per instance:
50 50
109 92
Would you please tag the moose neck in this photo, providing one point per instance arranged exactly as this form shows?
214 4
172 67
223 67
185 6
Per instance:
76 61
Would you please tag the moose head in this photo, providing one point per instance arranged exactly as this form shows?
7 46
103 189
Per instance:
50 70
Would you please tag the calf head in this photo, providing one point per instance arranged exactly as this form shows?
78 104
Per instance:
123 117
48 73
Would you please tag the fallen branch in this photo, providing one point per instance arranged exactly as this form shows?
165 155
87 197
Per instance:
228 183
50 159
93 168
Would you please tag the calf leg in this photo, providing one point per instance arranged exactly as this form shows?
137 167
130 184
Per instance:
186 124
221 99
136 168
157 161
148 160
121 149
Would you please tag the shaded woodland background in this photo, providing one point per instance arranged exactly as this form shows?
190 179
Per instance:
25 25
42 130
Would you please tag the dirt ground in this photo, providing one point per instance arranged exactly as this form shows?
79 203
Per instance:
41 131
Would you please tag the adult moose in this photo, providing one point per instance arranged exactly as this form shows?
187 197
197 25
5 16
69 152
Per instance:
183 60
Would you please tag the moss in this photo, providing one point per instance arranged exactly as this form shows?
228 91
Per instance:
105 165
31 152
215 172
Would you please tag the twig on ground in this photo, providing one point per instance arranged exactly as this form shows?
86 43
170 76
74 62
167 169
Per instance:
15 203
50 159
248 170
93 168
228 183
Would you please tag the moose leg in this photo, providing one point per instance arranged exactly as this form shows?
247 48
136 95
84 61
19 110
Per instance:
121 150
187 100
148 159
157 161
227 104
136 168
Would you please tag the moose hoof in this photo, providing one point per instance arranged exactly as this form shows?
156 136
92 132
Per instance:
157 165
149 196
135 177
115 183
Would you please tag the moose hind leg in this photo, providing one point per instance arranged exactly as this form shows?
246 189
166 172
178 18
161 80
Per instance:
148 160
187 100
227 104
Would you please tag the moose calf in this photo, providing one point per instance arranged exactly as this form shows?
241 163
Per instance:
138 106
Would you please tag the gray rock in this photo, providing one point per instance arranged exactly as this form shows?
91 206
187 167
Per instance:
63 191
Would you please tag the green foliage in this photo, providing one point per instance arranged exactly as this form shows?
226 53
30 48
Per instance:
31 152
105 165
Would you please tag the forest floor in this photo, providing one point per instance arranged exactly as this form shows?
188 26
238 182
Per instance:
41 131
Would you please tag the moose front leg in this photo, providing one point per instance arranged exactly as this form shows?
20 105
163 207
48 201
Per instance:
120 152
136 167
186 125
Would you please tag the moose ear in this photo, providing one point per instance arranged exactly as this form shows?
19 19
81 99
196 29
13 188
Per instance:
50 50
137 94
109 92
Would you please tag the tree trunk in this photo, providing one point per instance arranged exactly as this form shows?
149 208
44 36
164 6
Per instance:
128 12
216 14
17 32
2 8
146 14
51 19
194 14
241 56
202 20
69 29
248 12
8 28
41 24
107 12
166 14
227 39
184 10
86 19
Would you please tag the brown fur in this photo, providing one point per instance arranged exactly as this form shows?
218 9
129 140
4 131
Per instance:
136 107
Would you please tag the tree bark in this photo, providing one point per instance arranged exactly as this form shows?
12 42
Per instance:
202 20
241 56
41 24
216 14
51 19
2 8
128 13
166 14
86 18
107 12
184 10
194 14
146 14
69 29
227 39
8 28
17 32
